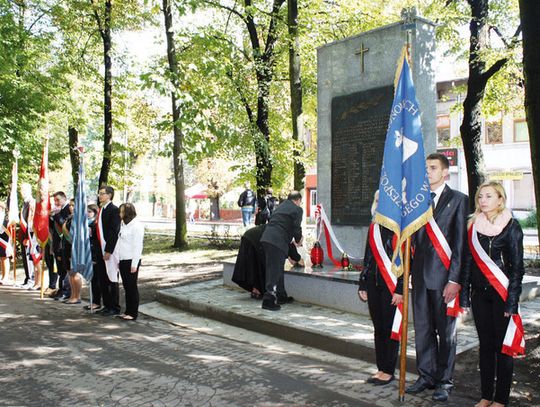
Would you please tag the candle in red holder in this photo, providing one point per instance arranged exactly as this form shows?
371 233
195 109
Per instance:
317 255
345 263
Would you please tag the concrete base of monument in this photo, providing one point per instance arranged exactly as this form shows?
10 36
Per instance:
328 287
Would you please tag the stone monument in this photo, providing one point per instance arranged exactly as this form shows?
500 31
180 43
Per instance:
355 92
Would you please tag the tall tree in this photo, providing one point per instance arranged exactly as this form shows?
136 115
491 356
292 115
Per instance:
102 15
530 16
295 80
180 238
73 137
262 41
479 75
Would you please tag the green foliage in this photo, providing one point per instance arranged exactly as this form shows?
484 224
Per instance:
531 221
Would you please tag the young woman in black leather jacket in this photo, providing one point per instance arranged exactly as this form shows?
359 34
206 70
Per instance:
501 237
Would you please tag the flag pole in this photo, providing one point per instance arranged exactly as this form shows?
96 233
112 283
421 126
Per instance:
91 299
405 321
14 237
42 273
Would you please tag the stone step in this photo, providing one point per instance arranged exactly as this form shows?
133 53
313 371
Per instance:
332 330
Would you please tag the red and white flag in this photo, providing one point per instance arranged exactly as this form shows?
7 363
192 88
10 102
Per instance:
43 204
514 340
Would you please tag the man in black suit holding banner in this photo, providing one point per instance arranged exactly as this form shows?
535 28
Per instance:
436 277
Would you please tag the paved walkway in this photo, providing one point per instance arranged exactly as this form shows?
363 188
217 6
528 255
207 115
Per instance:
59 355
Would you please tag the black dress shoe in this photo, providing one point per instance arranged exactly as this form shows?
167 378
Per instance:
285 300
109 313
270 303
419 386
102 311
380 382
371 380
442 392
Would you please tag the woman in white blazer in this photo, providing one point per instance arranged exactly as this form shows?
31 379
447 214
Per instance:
130 246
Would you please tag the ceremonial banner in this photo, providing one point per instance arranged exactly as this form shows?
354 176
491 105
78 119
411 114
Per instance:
404 194
43 204
81 255
13 216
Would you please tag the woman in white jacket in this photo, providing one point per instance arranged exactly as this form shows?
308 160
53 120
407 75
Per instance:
130 246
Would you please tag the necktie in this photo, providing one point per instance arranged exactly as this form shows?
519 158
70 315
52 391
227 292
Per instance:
433 195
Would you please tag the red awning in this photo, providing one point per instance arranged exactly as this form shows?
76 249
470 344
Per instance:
197 191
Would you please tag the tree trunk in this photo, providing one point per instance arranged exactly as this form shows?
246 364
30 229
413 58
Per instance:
295 80
107 96
471 127
73 135
262 140
530 15
214 209
180 238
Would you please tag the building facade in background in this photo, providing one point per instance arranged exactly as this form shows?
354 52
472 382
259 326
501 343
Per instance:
505 143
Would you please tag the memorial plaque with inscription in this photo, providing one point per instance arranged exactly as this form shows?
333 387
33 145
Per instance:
359 123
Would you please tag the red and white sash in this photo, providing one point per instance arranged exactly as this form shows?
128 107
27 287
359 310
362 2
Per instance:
6 244
385 266
514 340
111 265
442 248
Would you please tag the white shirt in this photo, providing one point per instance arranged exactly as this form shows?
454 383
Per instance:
438 193
130 241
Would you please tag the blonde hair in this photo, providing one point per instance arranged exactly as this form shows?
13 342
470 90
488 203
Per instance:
499 189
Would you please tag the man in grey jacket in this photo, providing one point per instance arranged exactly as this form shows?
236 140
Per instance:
284 225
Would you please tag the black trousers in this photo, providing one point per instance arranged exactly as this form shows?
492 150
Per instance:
275 266
382 314
129 281
109 290
49 261
496 368
435 336
96 286
60 270
25 260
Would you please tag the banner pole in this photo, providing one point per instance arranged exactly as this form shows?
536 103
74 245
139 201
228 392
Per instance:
14 237
42 272
405 321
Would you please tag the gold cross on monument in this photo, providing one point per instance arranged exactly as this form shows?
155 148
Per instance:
361 52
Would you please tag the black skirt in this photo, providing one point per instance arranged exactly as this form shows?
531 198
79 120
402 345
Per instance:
249 269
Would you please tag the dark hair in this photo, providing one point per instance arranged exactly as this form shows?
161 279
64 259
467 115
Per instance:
108 190
442 159
294 196
61 194
129 212
94 208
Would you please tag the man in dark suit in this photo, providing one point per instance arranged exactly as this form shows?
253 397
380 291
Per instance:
284 225
58 217
107 228
436 277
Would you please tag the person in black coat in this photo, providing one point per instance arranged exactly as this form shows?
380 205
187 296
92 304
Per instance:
265 207
92 213
284 226
501 239
108 227
250 267
381 303
434 286
58 217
